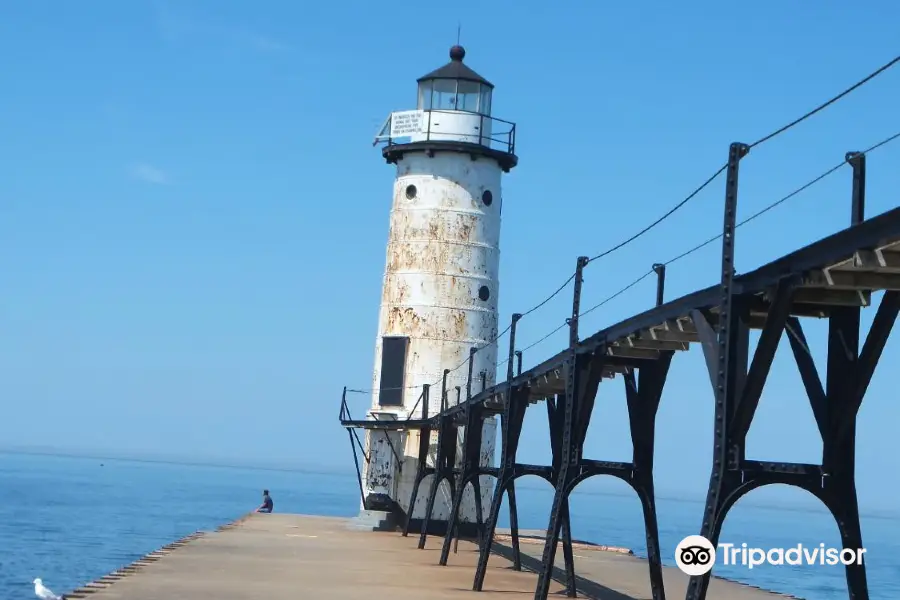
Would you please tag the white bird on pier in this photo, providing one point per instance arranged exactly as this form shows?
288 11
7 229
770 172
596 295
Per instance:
42 592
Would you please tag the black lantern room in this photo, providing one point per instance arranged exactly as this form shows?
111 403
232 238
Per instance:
455 87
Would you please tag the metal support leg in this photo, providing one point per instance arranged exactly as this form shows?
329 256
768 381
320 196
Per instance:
724 367
643 397
444 460
470 473
514 402
422 471
575 374
834 405
471 438
568 553
362 494
513 526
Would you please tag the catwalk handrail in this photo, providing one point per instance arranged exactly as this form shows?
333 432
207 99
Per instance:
840 246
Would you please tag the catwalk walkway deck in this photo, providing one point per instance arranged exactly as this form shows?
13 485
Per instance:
293 556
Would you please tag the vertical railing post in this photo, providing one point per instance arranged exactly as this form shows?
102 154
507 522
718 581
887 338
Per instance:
727 378
504 476
857 162
424 444
472 352
512 350
660 270
444 390
568 455
576 301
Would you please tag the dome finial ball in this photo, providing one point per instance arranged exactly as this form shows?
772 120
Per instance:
457 53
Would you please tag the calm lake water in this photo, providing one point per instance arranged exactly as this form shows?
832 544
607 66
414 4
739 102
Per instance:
72 520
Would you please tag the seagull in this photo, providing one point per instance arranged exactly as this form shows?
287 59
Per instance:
43 593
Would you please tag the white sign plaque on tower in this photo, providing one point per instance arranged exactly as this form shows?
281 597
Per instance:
407 122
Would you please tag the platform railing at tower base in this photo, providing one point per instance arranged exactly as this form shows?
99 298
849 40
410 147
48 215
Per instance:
356 445
345 416
494 133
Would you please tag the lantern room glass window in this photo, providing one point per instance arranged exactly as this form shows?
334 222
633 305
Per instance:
443 96
455 94
425 95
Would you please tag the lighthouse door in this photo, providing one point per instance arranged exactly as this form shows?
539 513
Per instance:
393 370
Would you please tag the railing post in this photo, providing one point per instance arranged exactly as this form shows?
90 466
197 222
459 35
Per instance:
569 454
660 282
343 404
726 367
512 348
425 397
576 301
857 162
444 390
472 352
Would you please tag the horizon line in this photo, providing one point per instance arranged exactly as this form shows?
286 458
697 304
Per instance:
324 469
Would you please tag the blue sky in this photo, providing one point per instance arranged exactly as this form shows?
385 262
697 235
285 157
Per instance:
193 219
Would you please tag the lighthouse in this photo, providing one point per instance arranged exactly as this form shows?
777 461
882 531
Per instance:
441 279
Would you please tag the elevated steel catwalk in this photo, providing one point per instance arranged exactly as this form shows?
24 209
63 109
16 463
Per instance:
843 269
832 279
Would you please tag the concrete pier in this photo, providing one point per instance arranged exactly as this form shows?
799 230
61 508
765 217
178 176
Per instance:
297 556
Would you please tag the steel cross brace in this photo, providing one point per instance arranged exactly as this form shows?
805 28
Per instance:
445 459
834 405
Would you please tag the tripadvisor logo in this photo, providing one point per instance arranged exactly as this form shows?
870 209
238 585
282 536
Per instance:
696 555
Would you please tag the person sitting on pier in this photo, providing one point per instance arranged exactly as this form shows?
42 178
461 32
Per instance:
267 504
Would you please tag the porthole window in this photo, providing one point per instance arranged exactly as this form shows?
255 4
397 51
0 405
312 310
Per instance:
484 294
411 191
487 197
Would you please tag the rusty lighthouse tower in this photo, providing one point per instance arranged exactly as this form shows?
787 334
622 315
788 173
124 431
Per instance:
441 279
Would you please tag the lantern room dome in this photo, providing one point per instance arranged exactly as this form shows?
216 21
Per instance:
456 69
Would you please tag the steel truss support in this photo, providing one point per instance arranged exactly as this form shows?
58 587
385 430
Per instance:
445 459
423 469
570 417
471 466
643 395
470 473
738 390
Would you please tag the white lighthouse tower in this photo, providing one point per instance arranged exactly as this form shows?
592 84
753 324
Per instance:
441 280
